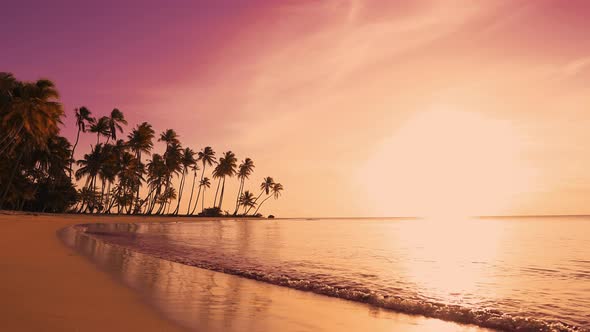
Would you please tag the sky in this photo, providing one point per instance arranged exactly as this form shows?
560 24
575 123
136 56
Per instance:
358 107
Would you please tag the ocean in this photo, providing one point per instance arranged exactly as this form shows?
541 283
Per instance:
509 273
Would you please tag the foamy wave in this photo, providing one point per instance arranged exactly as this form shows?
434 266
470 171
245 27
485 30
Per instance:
484 318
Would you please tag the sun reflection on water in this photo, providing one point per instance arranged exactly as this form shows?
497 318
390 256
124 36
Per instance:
444 253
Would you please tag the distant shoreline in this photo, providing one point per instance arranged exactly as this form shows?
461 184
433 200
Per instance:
152 216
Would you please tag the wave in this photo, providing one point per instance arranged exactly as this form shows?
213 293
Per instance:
487 318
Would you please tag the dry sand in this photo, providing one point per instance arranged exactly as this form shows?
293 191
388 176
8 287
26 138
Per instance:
45 286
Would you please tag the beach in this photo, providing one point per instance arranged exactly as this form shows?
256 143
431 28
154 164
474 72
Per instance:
47 286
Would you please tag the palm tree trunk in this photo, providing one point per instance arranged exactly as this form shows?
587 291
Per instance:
139 161
93 194
256 200
180 189
108 198
86 185
190 200
216 191
203 201
168 200
103 185
148 200
197 200
259 205
160 208
238 198
16 166
89 202
199 193
74 149
155 198
221 195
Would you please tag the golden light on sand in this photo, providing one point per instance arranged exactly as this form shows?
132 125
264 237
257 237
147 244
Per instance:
447 162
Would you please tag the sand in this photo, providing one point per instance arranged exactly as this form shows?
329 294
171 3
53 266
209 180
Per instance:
46 286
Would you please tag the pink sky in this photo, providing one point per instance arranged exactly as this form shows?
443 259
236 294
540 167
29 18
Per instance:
352 105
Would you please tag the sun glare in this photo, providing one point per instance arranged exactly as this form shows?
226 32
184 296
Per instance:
446 163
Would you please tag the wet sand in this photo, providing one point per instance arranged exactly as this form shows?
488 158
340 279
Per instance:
47 286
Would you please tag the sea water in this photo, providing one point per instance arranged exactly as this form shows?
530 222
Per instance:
506 273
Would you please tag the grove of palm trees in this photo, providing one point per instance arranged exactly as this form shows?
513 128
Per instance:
122 173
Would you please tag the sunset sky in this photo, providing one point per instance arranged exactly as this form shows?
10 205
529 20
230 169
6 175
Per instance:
359 108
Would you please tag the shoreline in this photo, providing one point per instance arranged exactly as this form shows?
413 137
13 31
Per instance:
73 290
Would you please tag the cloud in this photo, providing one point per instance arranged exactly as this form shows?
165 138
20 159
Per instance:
576 66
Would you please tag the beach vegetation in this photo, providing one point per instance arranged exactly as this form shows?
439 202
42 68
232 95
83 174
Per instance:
41 171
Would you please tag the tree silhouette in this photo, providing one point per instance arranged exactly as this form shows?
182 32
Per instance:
101 128
30 115
83 120
187 160
207 158
244 171
205 183
274 192
247 200
36 170
115 121
225 168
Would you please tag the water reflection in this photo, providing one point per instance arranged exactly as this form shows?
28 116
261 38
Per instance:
518 267
211 301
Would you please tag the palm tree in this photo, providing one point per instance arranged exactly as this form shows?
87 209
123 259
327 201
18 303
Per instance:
8 89
54 161
187 160
87 196
130 178
247 200
276 193
172 159
205 183
265 187
207 157
110 168
195 168
101 127
115 120
140 140
53 188
8 84
169 136
90 166
244 171
30 114
225 168
36 162
83 119
156 170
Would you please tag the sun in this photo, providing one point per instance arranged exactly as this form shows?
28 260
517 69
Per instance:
446 163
